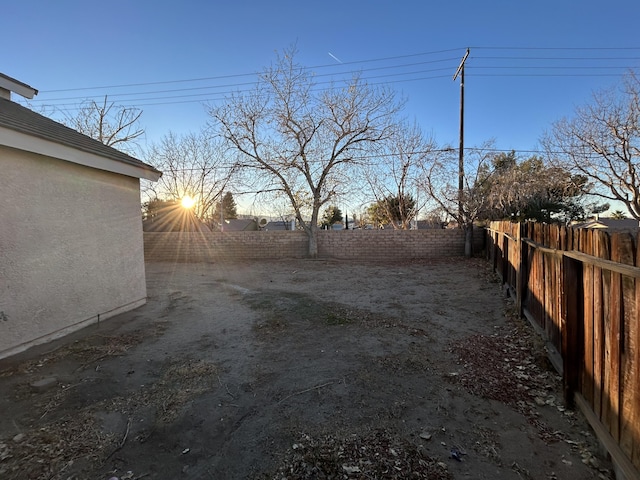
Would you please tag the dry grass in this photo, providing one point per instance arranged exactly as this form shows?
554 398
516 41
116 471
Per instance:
88 350
47 452
50 450
179 384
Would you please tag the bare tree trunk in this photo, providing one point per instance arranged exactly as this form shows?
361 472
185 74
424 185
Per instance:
468 240
313 241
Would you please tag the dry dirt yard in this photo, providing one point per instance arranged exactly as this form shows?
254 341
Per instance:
303 369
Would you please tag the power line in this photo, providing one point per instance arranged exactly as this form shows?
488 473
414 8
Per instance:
141 102
379 59
547 67
220 95
550 75
555 58
398 72
333 65
230 85
556 48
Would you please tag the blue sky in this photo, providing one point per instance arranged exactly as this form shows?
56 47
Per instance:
512 92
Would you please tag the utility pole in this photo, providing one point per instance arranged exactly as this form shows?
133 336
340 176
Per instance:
468 239
460 71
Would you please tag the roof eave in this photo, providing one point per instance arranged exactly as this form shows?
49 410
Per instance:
17 86
29 143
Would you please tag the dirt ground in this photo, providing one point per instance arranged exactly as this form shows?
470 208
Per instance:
298 369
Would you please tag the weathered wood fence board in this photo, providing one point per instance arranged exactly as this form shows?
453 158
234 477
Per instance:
581 289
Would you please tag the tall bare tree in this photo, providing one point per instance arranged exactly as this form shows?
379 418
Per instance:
395 176
290 136
194 166
602 142
440 183
114 125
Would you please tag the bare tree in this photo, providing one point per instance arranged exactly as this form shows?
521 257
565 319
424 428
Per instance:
602 142
280 205
292 137
394 177
440 183
114 125
194 166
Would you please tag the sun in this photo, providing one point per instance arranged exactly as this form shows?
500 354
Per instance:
188 202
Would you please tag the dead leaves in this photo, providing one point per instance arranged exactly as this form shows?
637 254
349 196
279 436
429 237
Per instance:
375 455
504 367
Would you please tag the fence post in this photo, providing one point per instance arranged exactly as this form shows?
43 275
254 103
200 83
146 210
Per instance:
505 260
497 249
572 328
521 276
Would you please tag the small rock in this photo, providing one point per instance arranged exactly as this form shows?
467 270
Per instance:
540 401
455 454
44 384
425 436
18 438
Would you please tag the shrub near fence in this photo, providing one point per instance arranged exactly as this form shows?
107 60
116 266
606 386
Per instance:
581 289
347 244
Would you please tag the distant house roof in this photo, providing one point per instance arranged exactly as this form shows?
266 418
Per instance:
27 124
277 225
612 224
240 225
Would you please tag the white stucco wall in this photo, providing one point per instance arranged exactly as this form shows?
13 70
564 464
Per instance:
70 248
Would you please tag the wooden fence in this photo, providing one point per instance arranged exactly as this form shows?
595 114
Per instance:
580 288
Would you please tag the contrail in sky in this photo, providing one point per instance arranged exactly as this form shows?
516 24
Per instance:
334 57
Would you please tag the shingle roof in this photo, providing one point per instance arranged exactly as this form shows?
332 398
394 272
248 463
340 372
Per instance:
16 117
240 225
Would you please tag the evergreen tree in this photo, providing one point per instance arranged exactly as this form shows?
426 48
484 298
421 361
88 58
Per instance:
229 210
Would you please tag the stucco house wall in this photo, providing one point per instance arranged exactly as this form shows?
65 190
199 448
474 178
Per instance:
70 244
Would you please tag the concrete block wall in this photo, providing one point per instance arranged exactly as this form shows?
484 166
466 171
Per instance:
184 247
390 244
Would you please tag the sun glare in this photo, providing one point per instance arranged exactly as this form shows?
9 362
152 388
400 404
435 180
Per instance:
188 202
